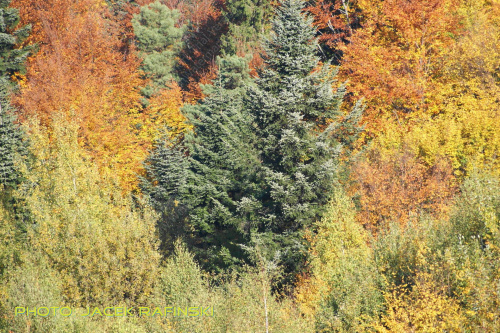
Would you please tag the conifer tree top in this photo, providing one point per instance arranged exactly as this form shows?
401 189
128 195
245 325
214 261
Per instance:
291 48
12 59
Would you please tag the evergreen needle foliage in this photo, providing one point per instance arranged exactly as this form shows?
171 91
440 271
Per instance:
260 201
212 176
12 59
261 161
12 62
247 20
11 140
298 124
159 41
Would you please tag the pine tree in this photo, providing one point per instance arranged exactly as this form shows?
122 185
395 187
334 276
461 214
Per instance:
300 130
159 41
166 169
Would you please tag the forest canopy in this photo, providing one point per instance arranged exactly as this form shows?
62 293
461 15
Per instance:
249 166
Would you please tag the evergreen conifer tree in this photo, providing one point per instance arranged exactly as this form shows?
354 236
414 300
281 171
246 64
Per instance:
212 176
13 152
261 162
248 21
11 139
12 61
159 41
300 130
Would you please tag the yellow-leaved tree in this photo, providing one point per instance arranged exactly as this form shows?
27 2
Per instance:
465 121
343 292
103 246
425 305
164 113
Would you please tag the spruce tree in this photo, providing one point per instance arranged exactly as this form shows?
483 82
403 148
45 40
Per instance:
11 140
248 21
210 179
12 61
159 41
261 163
300 130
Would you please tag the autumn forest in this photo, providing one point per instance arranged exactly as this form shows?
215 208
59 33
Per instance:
249 166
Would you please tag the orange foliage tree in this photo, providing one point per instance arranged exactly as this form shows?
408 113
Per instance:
336 20
394 60
398 186
393 54
81 71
